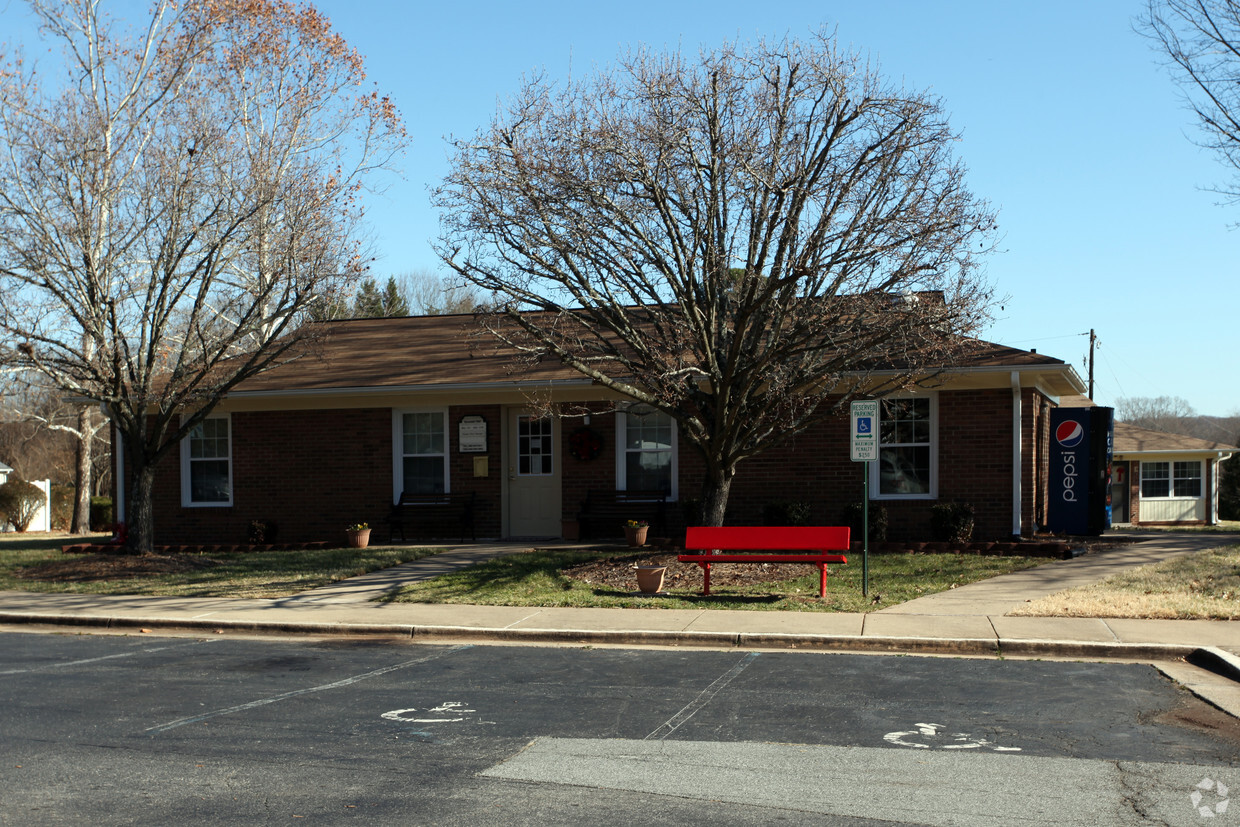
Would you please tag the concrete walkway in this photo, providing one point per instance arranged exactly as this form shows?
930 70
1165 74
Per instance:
970 620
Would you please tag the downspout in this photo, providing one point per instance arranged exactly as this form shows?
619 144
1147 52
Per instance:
1017 466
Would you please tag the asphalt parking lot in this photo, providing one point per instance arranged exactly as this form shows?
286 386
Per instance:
141 729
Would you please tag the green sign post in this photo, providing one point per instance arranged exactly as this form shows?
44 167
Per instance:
863 448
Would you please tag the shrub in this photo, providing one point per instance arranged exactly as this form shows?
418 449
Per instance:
262 532
20 502
62 506
851 516
951 522
101 514
786 512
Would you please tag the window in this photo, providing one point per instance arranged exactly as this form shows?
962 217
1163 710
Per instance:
535 451
646 456
1171 479
421 452
907 459
206 464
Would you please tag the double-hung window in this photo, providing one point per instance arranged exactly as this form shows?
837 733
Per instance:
1171 479
421 441
907 462
646 456
206 464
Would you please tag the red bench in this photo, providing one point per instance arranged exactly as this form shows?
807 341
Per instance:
820 540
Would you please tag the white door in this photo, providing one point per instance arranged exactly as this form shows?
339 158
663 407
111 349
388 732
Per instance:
533 476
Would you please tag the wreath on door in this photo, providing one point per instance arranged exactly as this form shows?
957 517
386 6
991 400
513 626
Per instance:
584 444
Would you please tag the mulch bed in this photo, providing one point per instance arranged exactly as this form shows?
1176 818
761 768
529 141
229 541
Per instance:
618 574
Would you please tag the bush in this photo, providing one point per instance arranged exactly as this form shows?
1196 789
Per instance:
851 516
62 506
101 514
262 532
951 522
786 512
20 502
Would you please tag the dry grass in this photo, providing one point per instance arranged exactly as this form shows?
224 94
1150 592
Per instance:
1205 586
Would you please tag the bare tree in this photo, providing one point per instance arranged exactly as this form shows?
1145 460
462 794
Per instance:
25 398
430 294
170 211
1201 39
744 241
1156 413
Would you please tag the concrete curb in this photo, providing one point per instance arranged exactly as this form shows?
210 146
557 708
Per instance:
1210 658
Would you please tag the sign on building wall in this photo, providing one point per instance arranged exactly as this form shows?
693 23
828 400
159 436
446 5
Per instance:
472 435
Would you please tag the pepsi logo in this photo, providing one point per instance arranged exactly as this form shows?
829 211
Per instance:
1069 434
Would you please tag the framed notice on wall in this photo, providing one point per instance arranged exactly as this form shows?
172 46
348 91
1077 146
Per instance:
472 435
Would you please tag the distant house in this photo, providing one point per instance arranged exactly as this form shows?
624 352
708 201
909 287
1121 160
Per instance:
387 406
4 473
1165 479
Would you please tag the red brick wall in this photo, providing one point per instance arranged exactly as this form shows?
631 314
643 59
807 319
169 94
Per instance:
313 472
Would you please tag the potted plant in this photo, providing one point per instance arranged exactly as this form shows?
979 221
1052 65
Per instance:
650 578
358 535
635 532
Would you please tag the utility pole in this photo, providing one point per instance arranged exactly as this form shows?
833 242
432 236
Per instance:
1092 339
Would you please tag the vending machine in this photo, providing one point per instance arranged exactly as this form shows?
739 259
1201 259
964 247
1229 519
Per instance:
1081 445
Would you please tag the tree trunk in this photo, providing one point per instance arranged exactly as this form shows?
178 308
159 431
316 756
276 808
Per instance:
139 514
82 476
715 488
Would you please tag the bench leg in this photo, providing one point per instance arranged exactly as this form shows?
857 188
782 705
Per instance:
705 577
822 588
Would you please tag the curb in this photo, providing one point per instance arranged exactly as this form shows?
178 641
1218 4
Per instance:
1210 658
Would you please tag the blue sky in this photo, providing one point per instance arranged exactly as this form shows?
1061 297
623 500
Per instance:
1070 127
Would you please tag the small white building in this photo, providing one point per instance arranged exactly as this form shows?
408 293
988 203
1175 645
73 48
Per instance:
4 473
1165 479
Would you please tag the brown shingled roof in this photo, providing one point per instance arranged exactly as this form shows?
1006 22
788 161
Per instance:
1129 439
421 351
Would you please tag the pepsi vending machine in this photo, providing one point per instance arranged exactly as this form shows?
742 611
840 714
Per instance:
1082 441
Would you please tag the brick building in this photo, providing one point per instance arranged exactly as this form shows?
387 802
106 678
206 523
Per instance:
419 404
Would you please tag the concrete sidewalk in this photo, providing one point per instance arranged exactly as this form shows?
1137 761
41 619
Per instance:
970 620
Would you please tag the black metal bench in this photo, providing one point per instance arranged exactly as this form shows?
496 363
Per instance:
603 513
431 511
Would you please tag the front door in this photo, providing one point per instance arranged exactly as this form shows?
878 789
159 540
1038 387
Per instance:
533 476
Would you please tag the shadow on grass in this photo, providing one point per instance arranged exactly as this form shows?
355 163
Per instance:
706 601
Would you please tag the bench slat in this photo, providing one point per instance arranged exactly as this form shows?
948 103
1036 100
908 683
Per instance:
753 538
820 539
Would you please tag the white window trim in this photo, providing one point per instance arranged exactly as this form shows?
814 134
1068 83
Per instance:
398 448
874 469
1171 478
187 492
622 452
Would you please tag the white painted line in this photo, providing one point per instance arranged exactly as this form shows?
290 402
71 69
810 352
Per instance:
447 707
68 663
677 720
334 685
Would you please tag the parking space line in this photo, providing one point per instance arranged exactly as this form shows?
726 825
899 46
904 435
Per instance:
701 700
308 690
68 663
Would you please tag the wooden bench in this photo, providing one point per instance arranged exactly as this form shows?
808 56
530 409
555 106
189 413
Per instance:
434 509
603 513
820 540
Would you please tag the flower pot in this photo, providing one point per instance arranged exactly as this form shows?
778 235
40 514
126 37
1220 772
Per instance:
650 579
358 539
636 535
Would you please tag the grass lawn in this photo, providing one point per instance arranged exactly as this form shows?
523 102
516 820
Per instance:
1204 585
257 574
535 579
